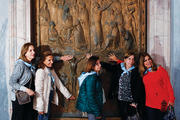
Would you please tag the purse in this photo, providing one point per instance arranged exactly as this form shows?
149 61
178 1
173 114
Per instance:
136 116
23 97
170 114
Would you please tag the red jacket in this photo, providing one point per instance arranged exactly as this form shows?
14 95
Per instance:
119 61
158 88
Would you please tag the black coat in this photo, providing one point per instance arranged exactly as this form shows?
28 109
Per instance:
137 86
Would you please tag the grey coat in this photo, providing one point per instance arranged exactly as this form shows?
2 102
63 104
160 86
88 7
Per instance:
21 75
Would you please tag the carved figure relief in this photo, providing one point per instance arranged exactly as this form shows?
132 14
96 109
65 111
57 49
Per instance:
73 68
100 27
96 27
84 21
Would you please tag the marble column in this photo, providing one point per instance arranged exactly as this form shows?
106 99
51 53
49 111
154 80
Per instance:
158 31
3 40
19 33
175 53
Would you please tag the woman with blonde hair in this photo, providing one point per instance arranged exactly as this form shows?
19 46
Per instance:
22 79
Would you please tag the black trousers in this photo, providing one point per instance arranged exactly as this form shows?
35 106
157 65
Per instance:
23 112
153 114
125 109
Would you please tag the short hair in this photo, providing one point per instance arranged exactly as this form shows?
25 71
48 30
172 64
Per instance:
24 50
91 63
128 54
43 56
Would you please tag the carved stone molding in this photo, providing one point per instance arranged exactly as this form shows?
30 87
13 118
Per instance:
20 26
19 32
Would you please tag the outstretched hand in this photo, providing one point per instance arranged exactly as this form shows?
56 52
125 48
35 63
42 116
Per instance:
112 57
72 98
66 57
88 55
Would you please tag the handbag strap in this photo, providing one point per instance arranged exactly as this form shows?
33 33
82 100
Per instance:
31 77
26 64
30 83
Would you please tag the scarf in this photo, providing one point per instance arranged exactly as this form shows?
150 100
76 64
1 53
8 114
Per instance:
125 70
148 70
29 65
52 77
83 76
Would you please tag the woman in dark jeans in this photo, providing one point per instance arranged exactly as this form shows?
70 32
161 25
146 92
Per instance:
127 85
22 79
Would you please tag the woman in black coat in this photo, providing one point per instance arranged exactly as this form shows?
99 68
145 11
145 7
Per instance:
127 86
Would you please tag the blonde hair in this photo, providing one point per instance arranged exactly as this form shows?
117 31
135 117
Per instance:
24 50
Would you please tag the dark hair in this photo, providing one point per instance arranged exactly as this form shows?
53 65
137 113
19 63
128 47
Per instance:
128 54
91 63
142 68
43 57
24 50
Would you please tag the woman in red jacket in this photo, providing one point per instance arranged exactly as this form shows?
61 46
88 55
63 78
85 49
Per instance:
158 89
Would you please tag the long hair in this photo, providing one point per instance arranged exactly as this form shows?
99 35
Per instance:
24 50
142 68
43 57
91 63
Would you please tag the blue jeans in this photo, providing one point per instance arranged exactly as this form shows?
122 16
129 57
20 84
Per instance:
45 116
91 116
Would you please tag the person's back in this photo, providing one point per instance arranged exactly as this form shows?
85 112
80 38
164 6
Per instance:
90 98
90 92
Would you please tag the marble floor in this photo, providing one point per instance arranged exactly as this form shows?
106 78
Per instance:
82 119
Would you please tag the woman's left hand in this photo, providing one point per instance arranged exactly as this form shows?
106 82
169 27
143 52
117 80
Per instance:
112 57
88 55
66 57
133 105
170 104
72 98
